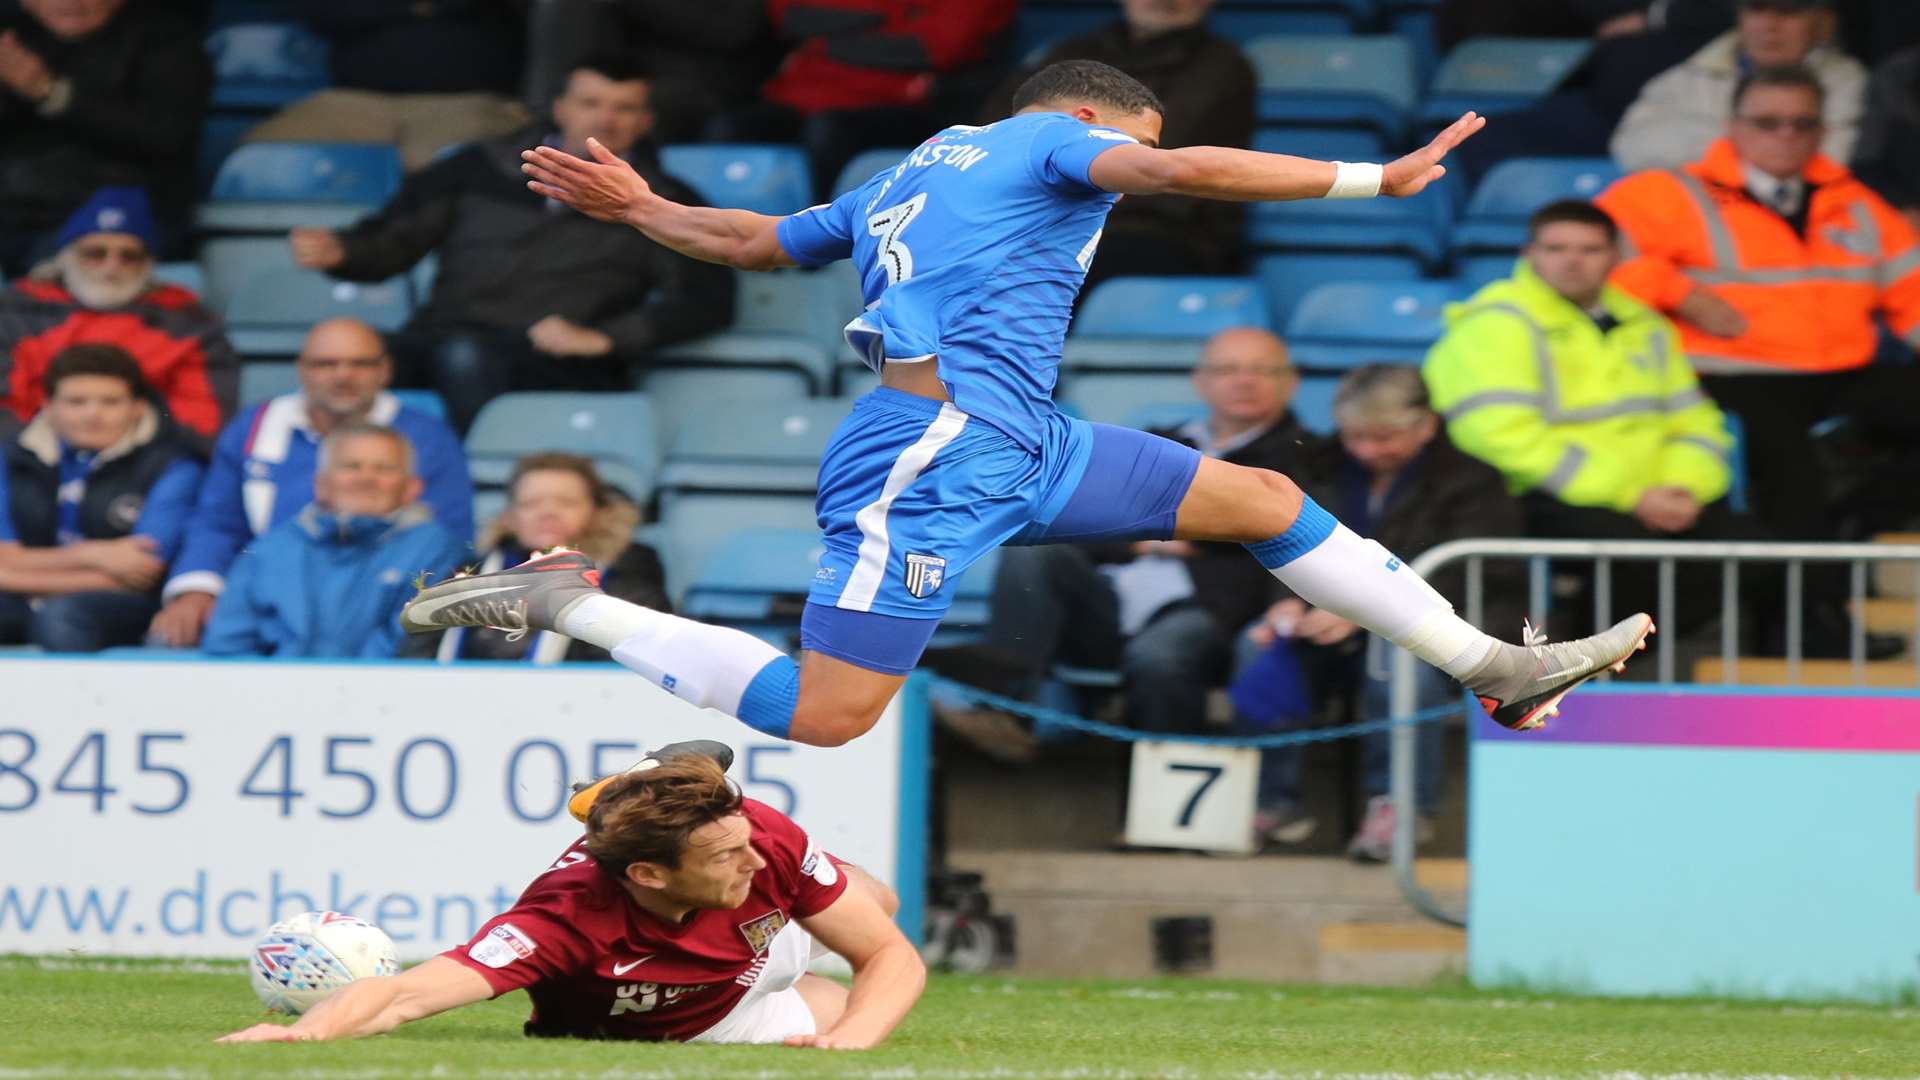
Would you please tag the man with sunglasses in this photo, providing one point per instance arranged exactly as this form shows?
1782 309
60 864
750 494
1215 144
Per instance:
1774 260
100 289
263 466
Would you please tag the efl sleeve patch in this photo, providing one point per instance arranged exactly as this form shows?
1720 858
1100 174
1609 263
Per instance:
502 946
817 866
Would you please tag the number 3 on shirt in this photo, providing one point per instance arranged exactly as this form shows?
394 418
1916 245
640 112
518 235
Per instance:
888 224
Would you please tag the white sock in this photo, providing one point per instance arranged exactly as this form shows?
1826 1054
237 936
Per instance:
1357 579
708 666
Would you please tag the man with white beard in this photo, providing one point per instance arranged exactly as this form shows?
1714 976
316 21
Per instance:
99 289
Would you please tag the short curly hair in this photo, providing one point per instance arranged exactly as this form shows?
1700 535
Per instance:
648 816
1087 80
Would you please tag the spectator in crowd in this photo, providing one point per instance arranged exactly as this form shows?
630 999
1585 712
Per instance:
1888 156
1633 41
1774 261
1166 612
868 73
707 59
262 472
1390 468
1686 108
556 500
99 287
1208 89
530 296
94 96
422 76
1580 395
93 497
331 581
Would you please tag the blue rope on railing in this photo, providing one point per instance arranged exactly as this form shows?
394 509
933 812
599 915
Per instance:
1040 714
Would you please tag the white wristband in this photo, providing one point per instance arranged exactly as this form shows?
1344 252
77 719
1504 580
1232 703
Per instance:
1355 181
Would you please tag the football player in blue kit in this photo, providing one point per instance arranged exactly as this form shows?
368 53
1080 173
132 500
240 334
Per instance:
970 252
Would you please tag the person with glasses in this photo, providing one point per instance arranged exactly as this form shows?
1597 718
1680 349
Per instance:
100 288
1686 107
1774 260
262 471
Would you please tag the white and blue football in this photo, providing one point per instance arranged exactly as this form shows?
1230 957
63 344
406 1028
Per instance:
303 959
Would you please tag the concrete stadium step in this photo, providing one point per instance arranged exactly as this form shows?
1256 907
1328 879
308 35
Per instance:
1274 917
1773 671
1892 579
1889 615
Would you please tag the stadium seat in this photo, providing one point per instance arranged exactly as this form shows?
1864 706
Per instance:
1493 74
219 135
187 275
1118 397
1413 20
760 446
694 525
1342 326
790 319
689 393
1170 307
265 66
231 260
1313 402
1278 17
615 430
1474 271
272 310
1496 215
1326 144
1165 415
755 575
1288 277
423 401
263 379
1418 226
272 187
767 179
488 503
1330 81
865 165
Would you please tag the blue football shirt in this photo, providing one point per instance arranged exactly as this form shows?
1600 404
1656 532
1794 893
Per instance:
972 250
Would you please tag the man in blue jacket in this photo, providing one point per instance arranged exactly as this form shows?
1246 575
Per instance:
262 472
330 582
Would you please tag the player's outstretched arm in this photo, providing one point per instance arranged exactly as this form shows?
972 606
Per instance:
375 1006
1218 172
608 189
888 974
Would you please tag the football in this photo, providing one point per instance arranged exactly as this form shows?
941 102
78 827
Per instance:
303 959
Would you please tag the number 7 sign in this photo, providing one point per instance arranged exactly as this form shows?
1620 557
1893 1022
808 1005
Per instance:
1190 795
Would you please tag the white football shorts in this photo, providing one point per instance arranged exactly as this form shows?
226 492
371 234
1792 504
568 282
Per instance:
773 1009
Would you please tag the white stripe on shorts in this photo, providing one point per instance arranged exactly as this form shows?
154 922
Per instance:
871 568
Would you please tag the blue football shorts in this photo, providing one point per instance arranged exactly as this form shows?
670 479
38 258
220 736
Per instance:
914 491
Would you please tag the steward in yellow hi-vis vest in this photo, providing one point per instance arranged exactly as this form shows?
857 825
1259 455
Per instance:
1592 411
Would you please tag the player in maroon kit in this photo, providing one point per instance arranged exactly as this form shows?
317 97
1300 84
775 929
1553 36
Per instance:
686 913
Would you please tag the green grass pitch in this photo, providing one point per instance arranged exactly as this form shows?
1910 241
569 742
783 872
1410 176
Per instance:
148 1021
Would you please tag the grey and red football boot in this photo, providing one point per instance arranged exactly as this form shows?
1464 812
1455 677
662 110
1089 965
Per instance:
530 596
1521 685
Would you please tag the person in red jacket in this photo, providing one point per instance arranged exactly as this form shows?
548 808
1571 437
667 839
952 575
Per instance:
868 73
100 290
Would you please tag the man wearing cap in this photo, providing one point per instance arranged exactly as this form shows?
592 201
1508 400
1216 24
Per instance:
92 95
99 289
1687 107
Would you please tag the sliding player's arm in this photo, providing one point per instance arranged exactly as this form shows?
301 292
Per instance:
607 188
1218 172
888 973
376 1006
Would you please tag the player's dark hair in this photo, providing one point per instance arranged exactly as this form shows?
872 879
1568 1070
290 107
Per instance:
613 66
1790 75
648 816
1090 81
95 359
1577 211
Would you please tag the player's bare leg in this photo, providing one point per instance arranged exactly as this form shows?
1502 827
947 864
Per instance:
1357 579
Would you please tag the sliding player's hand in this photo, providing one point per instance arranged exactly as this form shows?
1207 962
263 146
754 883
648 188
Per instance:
266 1033
827 1041
1410 175
604 188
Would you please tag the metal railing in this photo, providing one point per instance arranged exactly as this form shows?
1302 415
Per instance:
1603 555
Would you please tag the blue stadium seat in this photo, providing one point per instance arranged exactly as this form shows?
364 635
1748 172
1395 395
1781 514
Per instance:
1328 81
488 503
1288 277
1418 226
1345 325
615 430
219 135
1737 458
1496 215
759 446
1414 21
232 260
1170 307
694 525
263 379
767 179
1249 23
272 187
788 319
1313 402
755 575
423 401
265 66
1493 74
865 165
1326 144
1475 271
187 275
1164 415
1117 397
271 312
682 394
